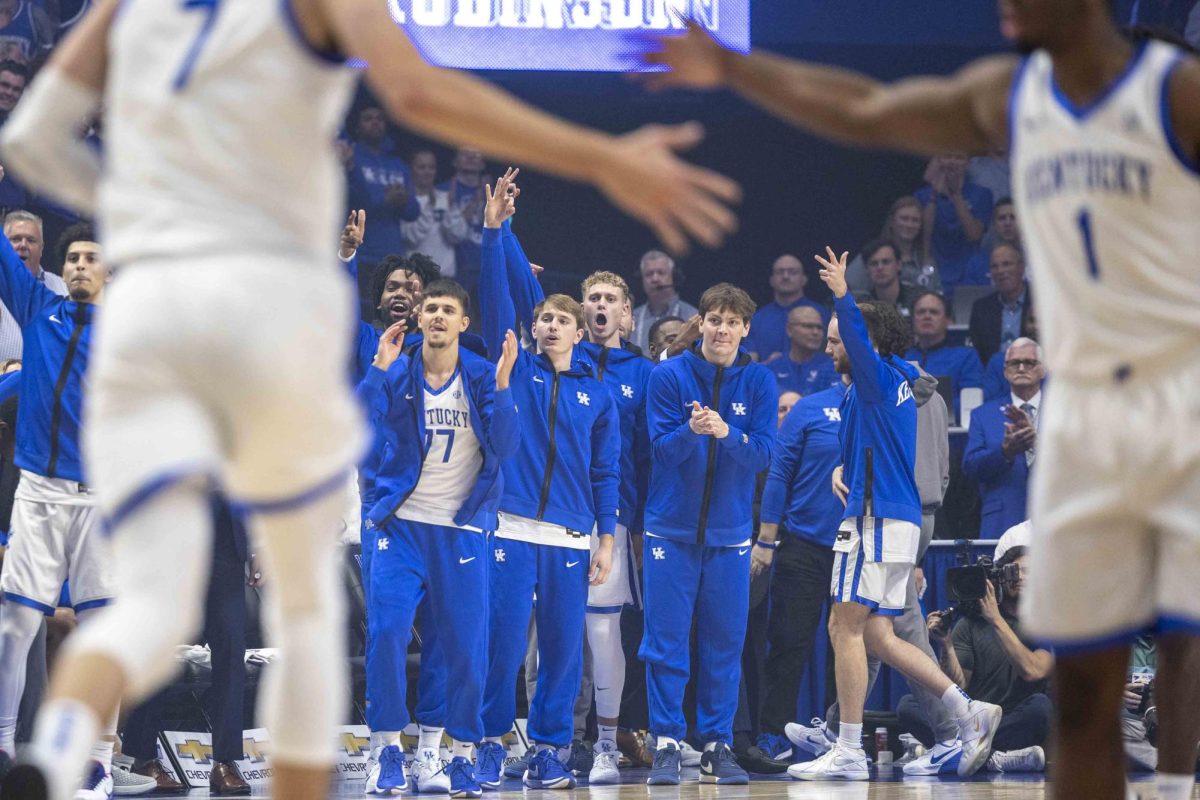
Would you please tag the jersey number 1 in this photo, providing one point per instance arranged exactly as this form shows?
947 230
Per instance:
193 54
1089 246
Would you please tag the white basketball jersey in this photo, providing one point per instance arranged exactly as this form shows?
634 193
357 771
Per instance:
1110 214
219 131
453 457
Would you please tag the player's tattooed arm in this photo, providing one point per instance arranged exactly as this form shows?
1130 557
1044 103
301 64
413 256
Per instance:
966 111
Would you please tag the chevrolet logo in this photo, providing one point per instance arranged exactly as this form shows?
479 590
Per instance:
354 745
195 750
252 751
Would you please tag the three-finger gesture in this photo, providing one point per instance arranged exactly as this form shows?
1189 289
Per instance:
353 234
502 203
833 271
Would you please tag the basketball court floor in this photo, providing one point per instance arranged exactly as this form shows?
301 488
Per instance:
887 784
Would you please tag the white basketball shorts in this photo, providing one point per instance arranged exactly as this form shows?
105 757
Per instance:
233 368
1115 545
615 593
872 561
55 536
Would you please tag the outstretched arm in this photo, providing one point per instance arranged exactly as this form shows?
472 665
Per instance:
495 299
639 172
927 115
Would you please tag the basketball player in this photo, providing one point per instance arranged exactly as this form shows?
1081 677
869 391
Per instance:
625 373
449 420
56 526
1105 144
219 186
562 484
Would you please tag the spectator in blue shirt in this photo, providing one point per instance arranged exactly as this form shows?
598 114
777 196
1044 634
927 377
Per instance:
464 191
957 211
959 364
805 368
768 337
1004 230
380 182
13 77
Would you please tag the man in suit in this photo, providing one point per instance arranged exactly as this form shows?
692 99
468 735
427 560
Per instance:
1002 441
997 319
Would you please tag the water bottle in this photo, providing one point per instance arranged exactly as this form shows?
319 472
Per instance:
883 755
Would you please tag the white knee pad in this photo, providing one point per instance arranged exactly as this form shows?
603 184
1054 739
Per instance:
304 696
608 662
162 556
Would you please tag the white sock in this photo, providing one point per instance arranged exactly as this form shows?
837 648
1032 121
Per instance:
460 749
957 702
850 735
495 739
62 741
608 733
430 739
666 741
382 739
102 751
1174 787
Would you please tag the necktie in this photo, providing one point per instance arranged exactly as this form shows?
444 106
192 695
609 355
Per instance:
1030 411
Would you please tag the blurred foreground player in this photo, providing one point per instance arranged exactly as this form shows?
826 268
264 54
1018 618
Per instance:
220 180
1104 135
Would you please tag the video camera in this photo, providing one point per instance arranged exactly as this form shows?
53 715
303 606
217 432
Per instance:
968 585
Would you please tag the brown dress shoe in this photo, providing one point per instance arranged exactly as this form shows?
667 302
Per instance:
633 746
226 781
163 780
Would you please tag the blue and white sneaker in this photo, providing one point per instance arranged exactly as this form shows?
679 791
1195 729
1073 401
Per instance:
489 761
665 771
775 746
719 766
545 771
385 772
517 768
814 738
97 784
462 778
939 760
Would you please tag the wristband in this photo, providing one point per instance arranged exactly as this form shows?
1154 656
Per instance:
768 545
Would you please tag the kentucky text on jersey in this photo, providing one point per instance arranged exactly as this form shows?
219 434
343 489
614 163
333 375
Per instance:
1081 172
446 418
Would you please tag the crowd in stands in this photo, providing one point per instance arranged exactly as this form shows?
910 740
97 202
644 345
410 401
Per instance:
948 258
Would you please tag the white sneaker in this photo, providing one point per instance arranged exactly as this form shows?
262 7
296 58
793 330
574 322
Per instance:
429 774
809 739
97 783
941 760
127 783
977 730
1027 759
839 764
605 764
688 755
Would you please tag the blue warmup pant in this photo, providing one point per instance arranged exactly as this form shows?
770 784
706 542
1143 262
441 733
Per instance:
713 584
559 577
448 569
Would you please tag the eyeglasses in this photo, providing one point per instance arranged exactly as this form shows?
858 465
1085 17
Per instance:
1022 363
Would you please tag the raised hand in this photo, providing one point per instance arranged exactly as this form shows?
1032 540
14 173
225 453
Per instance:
687 336
643 176
502 203
508 357
833 271
353 234
391 344
694 60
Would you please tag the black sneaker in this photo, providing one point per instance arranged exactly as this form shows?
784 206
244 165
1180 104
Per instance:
25 782
719 766
753 759
665 771
581 758
517 768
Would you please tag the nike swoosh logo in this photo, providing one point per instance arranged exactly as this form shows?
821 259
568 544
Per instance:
743 552
571 564
939 759
53 318
408 397
466 560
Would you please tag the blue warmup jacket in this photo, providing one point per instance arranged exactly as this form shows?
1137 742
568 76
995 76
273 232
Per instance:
395 405
805 378
701 487
57 333
879 426
960 364
566 471
799 494
625 373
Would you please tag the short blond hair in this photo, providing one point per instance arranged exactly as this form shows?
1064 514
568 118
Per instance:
603 276
563 303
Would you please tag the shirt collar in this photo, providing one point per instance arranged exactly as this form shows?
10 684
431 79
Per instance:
1035 401
1018 303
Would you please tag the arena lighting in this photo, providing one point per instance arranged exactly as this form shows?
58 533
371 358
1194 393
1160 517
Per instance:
587 35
